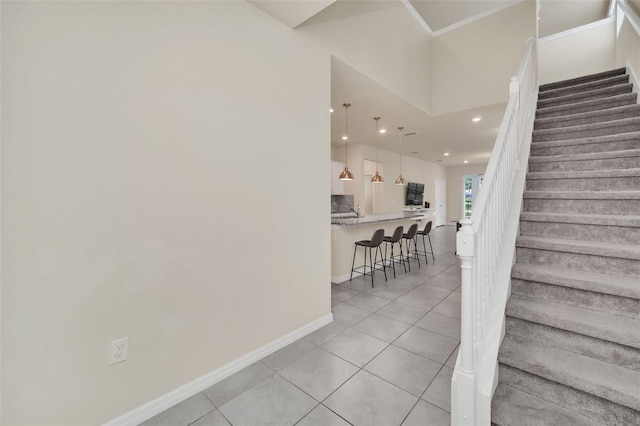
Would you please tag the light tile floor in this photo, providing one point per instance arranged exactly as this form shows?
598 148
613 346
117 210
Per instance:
387 359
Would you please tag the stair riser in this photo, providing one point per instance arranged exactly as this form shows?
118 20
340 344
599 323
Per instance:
545 125
592 106
613 207
605 130
584 87
579 261
586 96
621 306
585 165
587 184
582 80
579 231
584 403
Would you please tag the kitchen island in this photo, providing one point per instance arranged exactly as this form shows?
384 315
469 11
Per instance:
345 231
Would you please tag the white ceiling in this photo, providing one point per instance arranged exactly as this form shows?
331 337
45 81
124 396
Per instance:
454 133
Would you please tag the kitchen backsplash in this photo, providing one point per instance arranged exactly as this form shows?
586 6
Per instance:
341 203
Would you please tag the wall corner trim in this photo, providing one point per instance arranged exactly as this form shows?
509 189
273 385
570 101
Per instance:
633 79
158 405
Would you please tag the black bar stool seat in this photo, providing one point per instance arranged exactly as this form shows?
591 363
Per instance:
410 237
426 233
374 242
393 240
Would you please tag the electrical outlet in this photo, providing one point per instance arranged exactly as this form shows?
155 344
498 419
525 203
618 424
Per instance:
119 350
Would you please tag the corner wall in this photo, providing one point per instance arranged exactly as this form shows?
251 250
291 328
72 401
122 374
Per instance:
472 65
382 40
583 51
148 150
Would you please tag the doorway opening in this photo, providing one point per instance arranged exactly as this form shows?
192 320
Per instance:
471 185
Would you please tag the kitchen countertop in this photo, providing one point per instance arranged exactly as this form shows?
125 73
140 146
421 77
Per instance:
363 220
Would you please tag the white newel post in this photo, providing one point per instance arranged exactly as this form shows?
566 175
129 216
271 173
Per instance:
466 386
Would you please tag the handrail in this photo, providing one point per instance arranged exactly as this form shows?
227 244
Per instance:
486 246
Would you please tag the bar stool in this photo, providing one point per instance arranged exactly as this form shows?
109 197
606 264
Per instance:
409 237
374 242
425 233
395 239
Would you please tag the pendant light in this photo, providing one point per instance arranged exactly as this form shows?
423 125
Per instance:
400 180
377 178
346 174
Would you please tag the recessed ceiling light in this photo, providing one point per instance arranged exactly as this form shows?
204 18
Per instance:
344 138
466 161
476 119
383 130
446 154
330 109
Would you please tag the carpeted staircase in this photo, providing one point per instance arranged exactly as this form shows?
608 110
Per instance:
571 354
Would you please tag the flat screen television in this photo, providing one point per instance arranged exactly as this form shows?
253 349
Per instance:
415 193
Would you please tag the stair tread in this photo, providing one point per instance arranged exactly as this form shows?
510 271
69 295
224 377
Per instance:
583 174
583 219
593 139
606 380
584 86
588 114
584 195
604 91
602 325
584 127
585 156
582 79
601 283
514 407
571 108
598 248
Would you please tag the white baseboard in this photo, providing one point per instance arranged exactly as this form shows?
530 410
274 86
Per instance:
342 278
168 400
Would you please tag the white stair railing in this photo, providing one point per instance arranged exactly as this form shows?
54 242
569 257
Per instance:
486 246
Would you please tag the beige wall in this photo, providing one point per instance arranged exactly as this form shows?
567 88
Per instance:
471 64
382 41
413 170
455 176
148 150
587 51
561 15
628 46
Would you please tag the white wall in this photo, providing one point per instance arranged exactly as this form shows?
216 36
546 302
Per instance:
560 15
471 65
148 149
628 45
382 41
413 170
455 176
587 51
